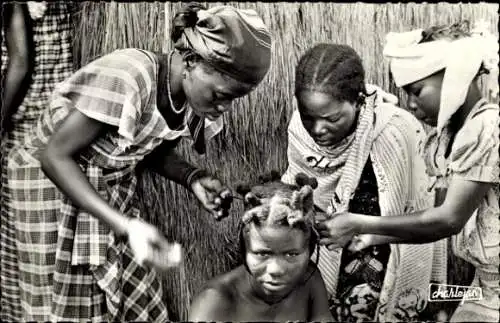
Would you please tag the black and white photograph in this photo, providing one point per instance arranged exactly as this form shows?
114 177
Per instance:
249 162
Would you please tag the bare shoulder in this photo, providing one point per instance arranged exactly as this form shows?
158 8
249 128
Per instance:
216 299
316 279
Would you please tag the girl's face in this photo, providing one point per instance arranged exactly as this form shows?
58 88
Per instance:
424 98
326 119
277 258
209 92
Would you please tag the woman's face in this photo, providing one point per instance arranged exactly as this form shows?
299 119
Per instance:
325 118
277 258
424 98
209 92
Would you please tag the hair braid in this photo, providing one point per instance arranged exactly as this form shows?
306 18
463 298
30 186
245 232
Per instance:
334 69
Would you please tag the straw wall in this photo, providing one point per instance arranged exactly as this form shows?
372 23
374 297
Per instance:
254 139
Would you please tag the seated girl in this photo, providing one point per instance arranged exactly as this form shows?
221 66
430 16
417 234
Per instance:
278 281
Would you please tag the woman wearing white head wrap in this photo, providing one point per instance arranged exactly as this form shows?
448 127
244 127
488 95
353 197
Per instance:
439 69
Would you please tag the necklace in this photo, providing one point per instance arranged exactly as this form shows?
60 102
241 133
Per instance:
169 93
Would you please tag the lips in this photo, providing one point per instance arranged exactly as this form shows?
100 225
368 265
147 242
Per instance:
274 286
213 116
322 141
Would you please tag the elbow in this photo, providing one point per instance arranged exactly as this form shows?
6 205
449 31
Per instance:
450 223
45 160
48 160
453 227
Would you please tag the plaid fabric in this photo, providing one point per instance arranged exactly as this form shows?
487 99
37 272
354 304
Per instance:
53 57
10 309
53 63
95 275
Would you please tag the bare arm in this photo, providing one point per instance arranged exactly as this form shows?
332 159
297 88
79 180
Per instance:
210 191
19 43
432 224
77 132
210 305
462 198
366 240
165 161
320 311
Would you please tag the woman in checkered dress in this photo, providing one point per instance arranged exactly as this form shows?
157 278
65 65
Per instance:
82 246
36 55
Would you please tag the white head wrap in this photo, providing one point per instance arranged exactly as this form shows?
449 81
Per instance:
461 59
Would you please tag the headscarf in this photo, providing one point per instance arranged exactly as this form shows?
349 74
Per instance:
234 41
411 61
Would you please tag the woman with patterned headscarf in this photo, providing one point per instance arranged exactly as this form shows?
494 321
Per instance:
439 69
126 107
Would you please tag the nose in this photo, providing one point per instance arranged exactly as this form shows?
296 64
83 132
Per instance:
274 267
412 103
318 129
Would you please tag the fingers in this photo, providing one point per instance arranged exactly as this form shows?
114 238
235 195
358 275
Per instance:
222 203
355 246
168 256
163 254
329 243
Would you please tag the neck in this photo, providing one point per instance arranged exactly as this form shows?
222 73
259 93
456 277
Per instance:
173 70
258 294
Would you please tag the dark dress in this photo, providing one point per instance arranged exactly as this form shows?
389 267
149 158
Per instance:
362 273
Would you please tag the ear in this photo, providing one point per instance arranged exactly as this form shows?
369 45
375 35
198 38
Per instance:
249 216
190 60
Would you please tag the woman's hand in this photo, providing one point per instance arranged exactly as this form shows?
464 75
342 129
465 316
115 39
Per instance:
382 96
339 229
361 242
150 247
215 197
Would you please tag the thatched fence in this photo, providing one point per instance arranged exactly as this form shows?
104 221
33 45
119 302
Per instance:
254 139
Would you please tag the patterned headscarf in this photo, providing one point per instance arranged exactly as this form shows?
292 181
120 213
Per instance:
236 42
462 59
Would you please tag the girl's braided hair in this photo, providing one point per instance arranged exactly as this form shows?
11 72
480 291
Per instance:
272 202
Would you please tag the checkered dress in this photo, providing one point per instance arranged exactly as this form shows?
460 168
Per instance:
53 64
94 274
